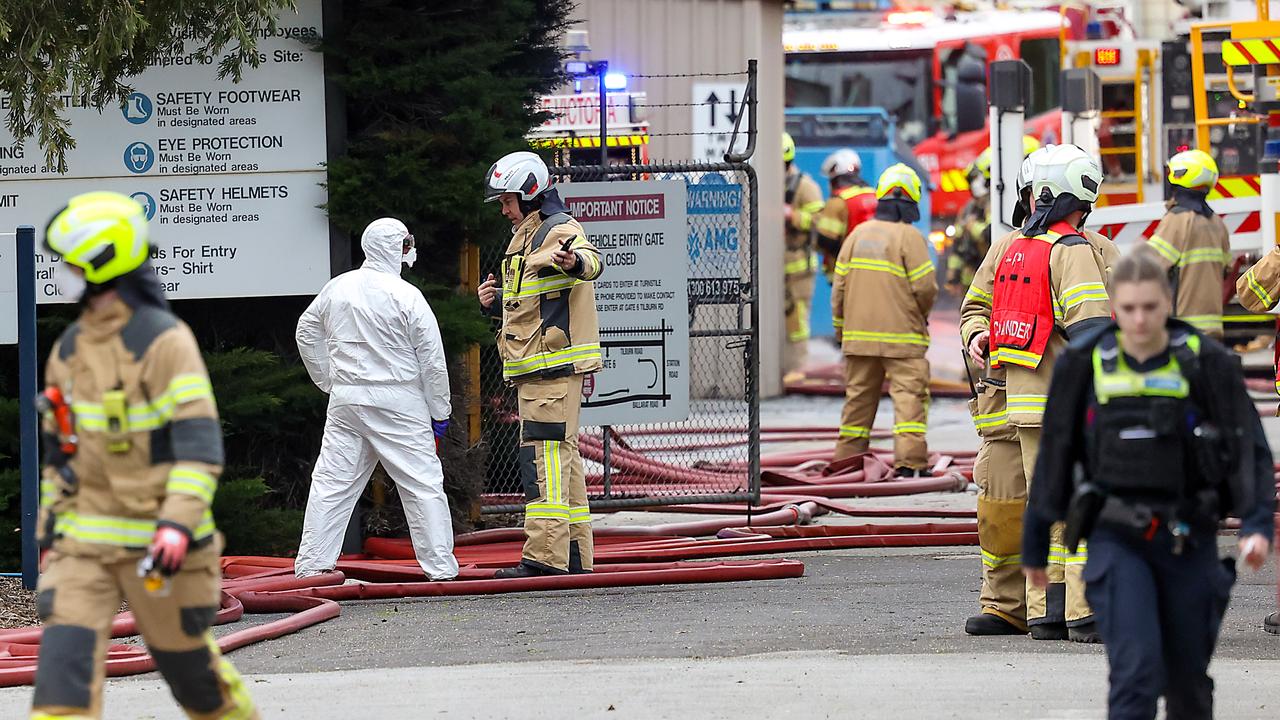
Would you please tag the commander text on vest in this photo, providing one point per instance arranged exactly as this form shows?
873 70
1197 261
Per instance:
127 488
548 340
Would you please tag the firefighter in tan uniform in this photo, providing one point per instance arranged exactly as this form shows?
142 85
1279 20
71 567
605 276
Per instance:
548 340
1032 293
998 470
803 200
125 496
852 202
1193 243
884 289
1259 291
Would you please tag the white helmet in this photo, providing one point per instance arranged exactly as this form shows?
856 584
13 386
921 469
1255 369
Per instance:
1029 163
841 162
518 172
1066 170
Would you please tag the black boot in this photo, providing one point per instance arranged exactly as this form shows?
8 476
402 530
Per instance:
525 569
1049 631
906 472
988 624
575 560
1086 633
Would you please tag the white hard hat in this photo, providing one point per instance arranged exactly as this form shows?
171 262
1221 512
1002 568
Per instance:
841 162
1023 181
519 172
1067 170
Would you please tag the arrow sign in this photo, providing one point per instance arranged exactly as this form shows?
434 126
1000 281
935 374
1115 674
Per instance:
712 100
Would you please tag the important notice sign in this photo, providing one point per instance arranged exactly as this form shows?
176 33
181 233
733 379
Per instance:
642 300
229 173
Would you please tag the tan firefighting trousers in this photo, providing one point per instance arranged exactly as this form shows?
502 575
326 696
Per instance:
1002 499
1064 601
908 388
78 597
557 521
799 303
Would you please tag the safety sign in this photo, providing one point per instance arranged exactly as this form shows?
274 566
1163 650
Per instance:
716 107
716 261
642 299
229 173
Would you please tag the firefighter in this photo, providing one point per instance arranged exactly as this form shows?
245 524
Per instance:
1153 418
998 471
1259 291
126 493
884 289
851 203
1193 243
803 200
548 340
1031 294
973 226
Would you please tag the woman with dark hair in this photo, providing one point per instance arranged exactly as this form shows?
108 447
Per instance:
1156 416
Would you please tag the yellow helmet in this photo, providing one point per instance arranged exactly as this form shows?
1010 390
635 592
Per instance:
102 233
1193 169
899 180
788 148
981 165
1029 145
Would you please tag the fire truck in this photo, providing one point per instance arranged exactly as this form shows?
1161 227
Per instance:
572 131
928 70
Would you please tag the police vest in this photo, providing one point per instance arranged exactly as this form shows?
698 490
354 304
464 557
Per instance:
1022 300
1139 434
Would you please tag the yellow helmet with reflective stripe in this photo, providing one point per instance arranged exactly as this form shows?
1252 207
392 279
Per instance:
1193 169
102 233
901 182
788 148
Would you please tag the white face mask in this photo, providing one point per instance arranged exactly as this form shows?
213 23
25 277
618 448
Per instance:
410 257
71 285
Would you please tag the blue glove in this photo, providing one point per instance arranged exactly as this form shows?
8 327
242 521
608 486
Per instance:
439 427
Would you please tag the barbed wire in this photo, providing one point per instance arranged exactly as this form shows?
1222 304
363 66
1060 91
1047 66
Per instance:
689 75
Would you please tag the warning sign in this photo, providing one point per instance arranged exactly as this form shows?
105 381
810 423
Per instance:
642 299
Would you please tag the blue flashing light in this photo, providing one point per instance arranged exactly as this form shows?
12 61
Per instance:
615 81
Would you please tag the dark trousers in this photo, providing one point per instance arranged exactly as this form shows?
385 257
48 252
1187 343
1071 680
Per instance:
1159 615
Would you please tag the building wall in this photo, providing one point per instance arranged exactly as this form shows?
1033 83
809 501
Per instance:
685 37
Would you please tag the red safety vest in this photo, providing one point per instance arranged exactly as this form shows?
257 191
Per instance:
860 202
1022 300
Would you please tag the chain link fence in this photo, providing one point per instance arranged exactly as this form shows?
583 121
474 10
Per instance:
713 455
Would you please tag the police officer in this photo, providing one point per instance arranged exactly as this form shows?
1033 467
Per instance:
131 497
1193 243
998 470
549 339
802 201
851 203
1027 298
1156 416
884 289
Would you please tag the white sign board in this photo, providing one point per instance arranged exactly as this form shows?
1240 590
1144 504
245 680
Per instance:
642 300
229 172
8 289
716 106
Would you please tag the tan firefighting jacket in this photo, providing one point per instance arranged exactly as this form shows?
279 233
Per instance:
989 407
1078 274
150 446
806 203
1259 287
549 325
1195 250
883 291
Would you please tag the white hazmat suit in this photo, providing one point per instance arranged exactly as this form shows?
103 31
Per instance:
370 340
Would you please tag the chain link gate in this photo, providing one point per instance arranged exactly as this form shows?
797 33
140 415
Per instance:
714 454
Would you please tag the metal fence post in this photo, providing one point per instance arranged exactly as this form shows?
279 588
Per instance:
27 419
